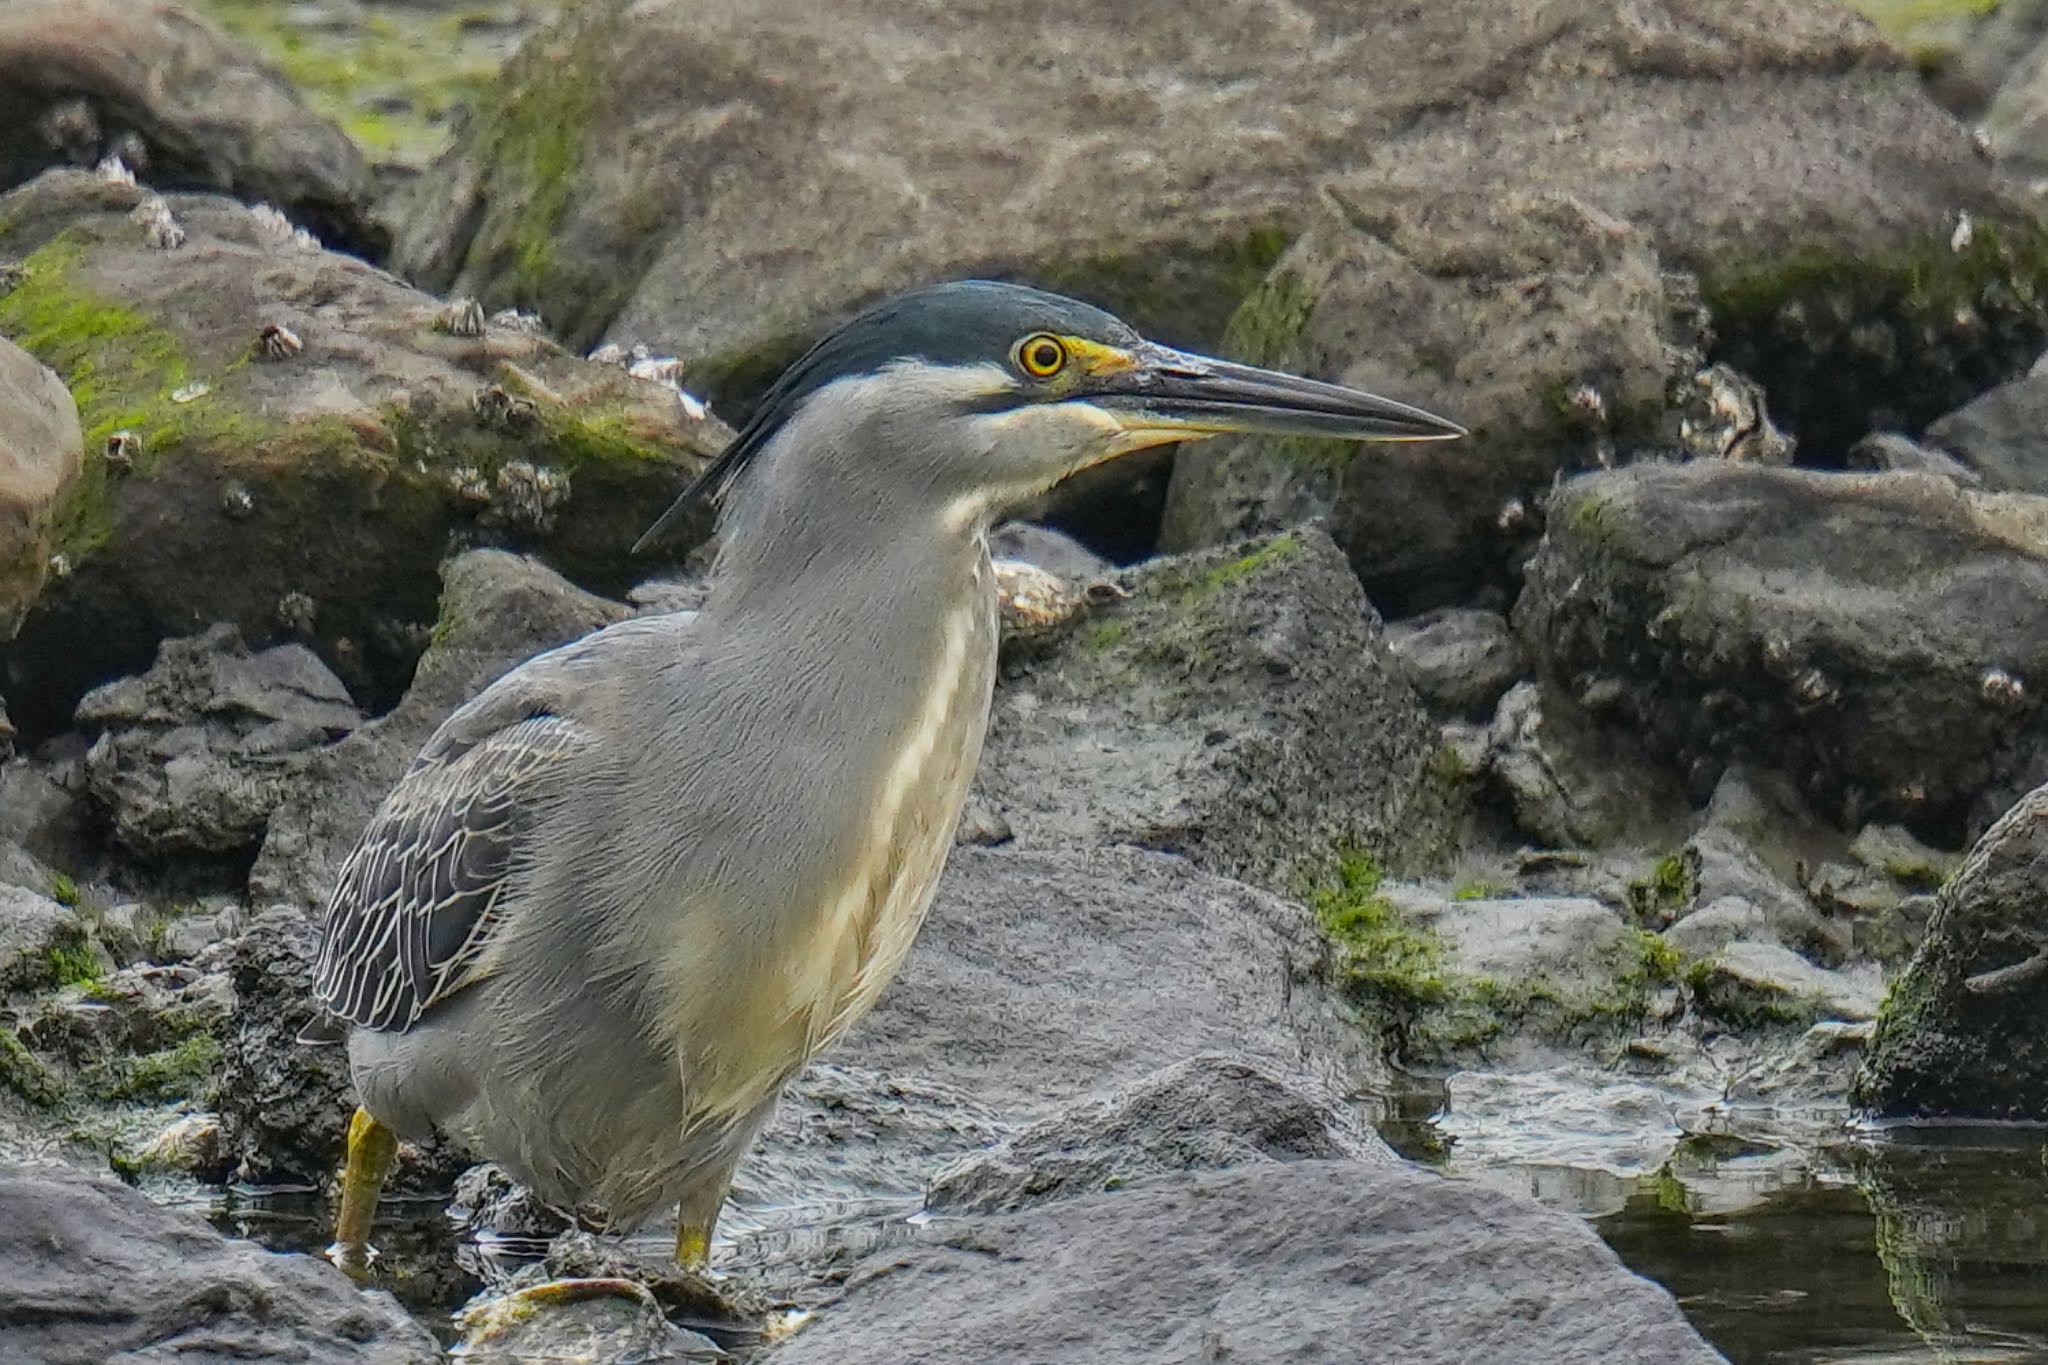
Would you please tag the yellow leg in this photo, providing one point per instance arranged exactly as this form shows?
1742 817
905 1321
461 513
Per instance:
371 1146
693 1245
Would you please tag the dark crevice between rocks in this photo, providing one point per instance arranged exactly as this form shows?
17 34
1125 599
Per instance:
1853 345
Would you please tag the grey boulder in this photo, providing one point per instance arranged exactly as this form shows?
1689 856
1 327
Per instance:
99 1275
192 756
283 438
1312 1261
1044 979
1535 258
1460 659
184 105
1964 1032
1210 1112
2001 437
1874 634
40 450
1239 707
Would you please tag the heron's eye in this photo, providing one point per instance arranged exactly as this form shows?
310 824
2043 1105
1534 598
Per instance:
1041 356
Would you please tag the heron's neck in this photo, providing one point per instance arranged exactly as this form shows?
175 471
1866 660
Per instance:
879 603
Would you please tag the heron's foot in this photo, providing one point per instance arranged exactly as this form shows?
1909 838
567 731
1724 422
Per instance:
371 1148
693 1247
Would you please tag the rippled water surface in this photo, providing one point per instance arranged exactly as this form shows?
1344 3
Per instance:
1901 1246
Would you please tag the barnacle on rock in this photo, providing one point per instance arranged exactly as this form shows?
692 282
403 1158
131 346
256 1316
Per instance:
1513 517
159 227
667 371
1727 420
2002 689
278 342
121 449
114 171
297 612
512 320
237 501
611 353
497 406
467 483
527 495
13 274
461 318
1814 688
60 565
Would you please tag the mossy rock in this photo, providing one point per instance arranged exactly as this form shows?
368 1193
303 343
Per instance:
312 495
1963 1032
1238 707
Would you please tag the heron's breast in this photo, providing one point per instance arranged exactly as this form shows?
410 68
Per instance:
858 932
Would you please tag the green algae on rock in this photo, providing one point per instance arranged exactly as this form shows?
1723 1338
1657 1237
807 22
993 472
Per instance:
310 495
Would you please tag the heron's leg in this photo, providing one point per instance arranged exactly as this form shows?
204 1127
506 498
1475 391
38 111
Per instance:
697 1215
371 1147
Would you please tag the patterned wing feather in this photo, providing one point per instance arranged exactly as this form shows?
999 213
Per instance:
418 899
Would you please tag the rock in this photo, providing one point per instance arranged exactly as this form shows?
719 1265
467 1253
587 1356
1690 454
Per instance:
2015 120
1301 1261
1465 977
192 756
1718 923
40 450
916 129
1752 984
46 818
1964 1032
1872 634
1044 978
1886 451
1238 708
1051 550
1726 872
32 926
1541 323
488 1200
181 103
145 1034
1999 437
96 1272
1973 64
579 1320
1894 851
1565 946
1570 784
1461 660
497 610
311 497
284 1105
1525 281
1210 1112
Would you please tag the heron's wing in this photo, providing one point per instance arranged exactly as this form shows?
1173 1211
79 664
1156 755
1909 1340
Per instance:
418 899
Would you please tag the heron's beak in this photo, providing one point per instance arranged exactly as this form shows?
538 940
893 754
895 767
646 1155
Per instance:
1170 395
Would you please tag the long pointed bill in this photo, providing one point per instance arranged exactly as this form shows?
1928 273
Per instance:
1172 395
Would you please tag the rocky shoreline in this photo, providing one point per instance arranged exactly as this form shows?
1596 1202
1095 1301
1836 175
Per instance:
1659 771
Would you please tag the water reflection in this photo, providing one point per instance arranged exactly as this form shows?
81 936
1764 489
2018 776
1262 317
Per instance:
1929 1248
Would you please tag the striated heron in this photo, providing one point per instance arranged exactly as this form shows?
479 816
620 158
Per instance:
622 896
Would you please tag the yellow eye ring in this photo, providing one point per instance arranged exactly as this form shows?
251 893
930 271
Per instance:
1041 355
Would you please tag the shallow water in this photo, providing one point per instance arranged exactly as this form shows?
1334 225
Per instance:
1896 1246
1787 1242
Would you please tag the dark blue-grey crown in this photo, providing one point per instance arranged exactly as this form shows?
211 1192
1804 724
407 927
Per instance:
962 323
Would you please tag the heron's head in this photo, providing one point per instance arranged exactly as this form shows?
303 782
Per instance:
968 399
